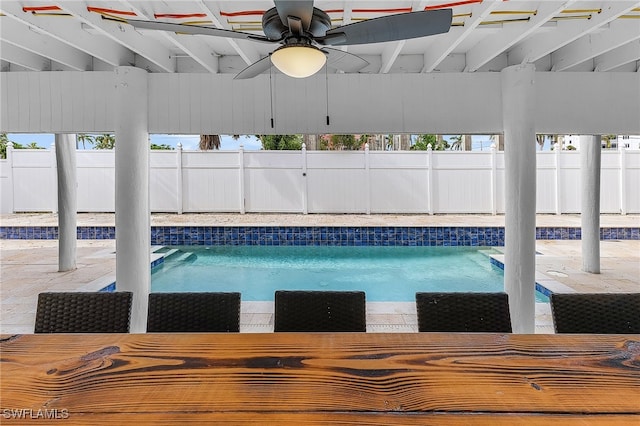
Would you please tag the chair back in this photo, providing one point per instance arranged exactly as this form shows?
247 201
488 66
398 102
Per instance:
329 311
194 312
84 312
463 312
599 313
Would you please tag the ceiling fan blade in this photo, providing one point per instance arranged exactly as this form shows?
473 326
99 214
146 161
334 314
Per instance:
302 9
254 69
344 61
390 28
196 30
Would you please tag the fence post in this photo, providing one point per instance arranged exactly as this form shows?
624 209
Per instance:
623 181
494 179
305 195
11 207
430 177
367 171
558 200
241 177
54 179
179 177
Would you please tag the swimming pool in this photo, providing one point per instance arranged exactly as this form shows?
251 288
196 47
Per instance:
386 274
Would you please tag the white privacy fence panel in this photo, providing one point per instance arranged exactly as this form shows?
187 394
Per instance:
96 181
320 181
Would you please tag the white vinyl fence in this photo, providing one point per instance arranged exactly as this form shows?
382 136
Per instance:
320 181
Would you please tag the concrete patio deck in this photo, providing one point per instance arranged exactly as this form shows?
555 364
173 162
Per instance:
30 266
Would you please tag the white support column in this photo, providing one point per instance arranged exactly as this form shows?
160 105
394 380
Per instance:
590 160
518 112
67 201
179 199
133 223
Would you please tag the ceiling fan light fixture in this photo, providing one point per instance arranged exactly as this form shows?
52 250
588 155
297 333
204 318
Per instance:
299 61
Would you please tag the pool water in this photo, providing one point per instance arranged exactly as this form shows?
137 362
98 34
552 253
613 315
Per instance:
385 273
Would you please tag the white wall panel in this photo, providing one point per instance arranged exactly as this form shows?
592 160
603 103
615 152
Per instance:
33 190
272 190
336 182
336 191
210 190
96 189
209 159
546 190
271 159
335 160
566 103
6 193
163 191
462 191
399 191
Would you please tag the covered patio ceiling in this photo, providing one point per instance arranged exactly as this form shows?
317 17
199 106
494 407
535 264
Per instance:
486 36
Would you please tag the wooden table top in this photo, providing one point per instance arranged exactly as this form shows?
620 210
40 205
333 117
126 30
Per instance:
344 378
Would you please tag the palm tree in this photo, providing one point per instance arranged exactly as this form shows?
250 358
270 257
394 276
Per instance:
83 138
209 142
457 142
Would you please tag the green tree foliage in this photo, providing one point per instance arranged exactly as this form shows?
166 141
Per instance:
424 140
4 141
345 142
281 142
105 141
161 146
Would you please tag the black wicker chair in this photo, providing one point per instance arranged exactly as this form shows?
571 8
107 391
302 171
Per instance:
463 312
610 313
194 312
98 312
310 311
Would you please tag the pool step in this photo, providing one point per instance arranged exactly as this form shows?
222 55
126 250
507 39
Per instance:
181 256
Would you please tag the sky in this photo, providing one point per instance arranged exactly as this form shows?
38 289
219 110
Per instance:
190 142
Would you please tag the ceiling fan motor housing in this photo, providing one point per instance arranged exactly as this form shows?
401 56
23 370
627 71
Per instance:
274 29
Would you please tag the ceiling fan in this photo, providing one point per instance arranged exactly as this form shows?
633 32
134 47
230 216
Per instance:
304 32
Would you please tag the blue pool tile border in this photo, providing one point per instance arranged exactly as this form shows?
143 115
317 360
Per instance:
539 287
319 235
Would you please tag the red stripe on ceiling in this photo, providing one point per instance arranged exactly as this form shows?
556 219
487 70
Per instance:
110 11
180 15
243 13
334 11
39 8
401 10
447 5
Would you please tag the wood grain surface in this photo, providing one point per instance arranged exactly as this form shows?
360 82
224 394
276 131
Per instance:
343 378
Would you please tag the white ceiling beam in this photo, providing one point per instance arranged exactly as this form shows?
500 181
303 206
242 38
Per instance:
390 54
18 56
511 34
26 37
122 33
248 55
71 33
193 46
446 44
538 46
592 45
630 52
